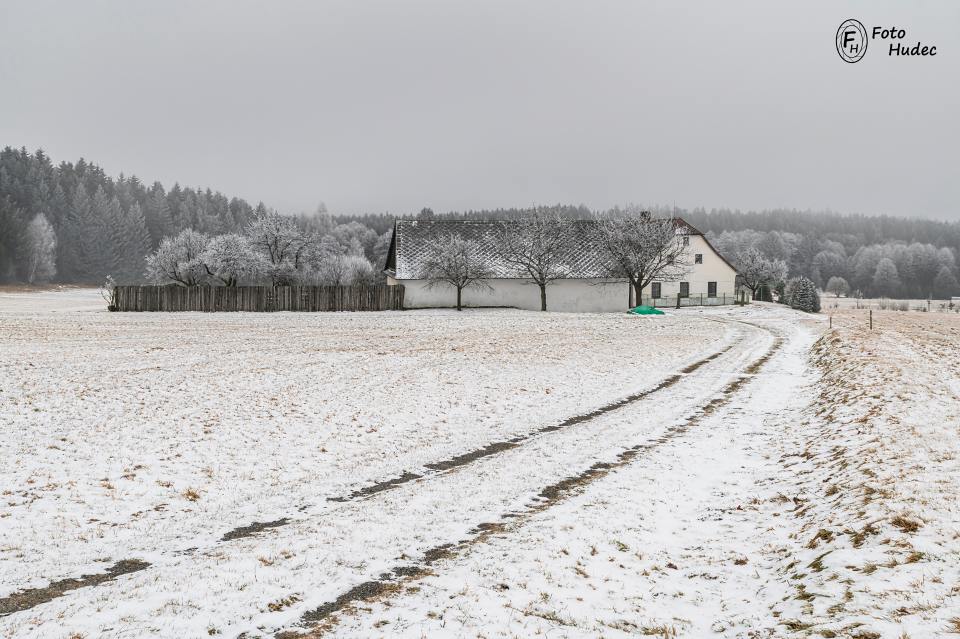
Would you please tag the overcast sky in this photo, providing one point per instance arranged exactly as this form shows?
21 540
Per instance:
396 105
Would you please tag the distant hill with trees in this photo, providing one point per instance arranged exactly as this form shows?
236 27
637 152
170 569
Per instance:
72 223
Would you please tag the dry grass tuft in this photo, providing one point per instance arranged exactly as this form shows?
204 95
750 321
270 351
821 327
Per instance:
905 524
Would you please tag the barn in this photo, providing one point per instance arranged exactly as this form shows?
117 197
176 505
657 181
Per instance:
584 289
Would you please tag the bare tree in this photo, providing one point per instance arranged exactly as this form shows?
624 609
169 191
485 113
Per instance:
455 261
535 245
642 249
41 249
756 270
178 259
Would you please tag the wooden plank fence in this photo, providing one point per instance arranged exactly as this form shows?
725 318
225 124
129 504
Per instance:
258 299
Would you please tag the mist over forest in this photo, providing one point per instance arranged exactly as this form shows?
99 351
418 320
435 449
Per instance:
72 223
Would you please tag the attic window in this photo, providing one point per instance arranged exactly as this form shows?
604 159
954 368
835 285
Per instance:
698 258
686 240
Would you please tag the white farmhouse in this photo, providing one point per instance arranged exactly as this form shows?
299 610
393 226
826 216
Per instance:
584 289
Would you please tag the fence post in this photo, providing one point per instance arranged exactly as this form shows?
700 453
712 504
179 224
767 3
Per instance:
871 319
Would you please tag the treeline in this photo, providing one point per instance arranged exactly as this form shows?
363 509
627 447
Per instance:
73 223
81 225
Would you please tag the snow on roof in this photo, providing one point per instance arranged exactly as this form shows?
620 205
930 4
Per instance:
410 247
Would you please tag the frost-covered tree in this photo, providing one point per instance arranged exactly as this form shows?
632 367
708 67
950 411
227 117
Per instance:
455 261
757 270
838 286
886 279
639 248
830 263
178 260
359 271
284 245
803 295
41 250
535 246
230 258
945 284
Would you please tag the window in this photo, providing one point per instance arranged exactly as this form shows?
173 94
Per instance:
711 289
655 290
698 258
684 289
686 240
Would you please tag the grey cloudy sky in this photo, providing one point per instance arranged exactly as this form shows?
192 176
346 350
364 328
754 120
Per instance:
392 106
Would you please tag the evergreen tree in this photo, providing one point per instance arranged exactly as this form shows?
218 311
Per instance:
158 218
79 255
110 235
804 296
136 243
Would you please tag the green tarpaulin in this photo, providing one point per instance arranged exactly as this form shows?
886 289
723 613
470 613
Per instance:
645 310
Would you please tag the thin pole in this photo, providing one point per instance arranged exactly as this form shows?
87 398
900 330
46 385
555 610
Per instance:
871 319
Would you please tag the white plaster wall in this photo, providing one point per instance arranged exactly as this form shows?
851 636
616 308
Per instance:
713 269
570 296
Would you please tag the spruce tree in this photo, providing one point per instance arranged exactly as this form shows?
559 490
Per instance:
106 235
136 244
79 242
804 296
158 218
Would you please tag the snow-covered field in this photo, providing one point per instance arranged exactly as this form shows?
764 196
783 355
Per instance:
831 303
476 474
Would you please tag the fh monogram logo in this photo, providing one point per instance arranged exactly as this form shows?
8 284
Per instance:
851 40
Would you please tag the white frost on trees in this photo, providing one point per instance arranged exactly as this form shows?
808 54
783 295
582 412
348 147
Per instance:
274 249
886 279
757 270
283 244
838 286
178 260
228 259
945 284
803 295
41 250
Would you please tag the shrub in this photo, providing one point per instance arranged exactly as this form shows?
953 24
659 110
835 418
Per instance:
802 295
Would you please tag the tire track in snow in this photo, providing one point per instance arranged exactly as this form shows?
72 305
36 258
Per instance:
495 448
368 589
323 617
27 599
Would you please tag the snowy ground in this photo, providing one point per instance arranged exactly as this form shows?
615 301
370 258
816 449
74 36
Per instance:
426 474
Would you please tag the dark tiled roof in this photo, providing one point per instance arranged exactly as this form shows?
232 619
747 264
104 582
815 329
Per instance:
410 247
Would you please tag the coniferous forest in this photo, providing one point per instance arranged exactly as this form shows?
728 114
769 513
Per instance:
72 223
